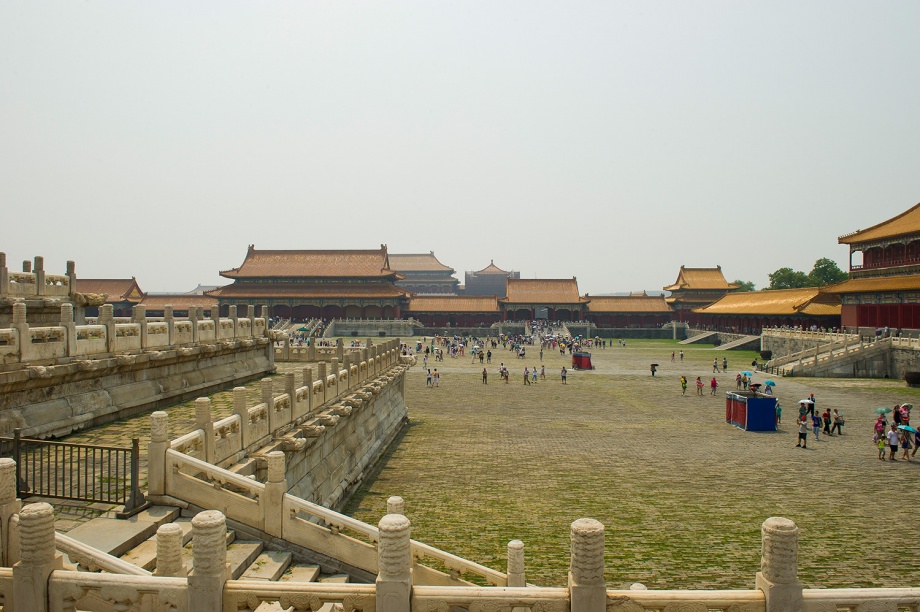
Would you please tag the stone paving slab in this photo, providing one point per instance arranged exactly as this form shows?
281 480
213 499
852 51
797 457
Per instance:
117 536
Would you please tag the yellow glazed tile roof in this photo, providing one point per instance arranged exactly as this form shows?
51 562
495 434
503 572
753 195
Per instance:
630 303
774 302
491 269
313 264
903 282
421 262
117 289
542 291
689 279
453 304
908 222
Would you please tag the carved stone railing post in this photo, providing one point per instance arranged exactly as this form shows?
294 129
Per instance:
70 329
72 278
587 590
38 558
339 349
346 365
106 317
307 406
194 314
156 453
290 387
139 316
251 315
215 316
396 505
26 266
9 505
335 368
394 564
170 320
39 275
268 398
778 575
209 562
286 349
169 551
321 375
311 349
231 314
265 313
242 410
516 564
275 488
22 328
205 422
5 276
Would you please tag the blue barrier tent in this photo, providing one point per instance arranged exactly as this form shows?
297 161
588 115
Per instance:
750 412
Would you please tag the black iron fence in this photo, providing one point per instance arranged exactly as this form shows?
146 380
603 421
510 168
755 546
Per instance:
83 472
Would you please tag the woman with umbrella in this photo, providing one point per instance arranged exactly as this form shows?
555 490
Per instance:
907 433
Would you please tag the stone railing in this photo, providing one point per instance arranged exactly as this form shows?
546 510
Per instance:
33 577
315 351
34 282
23 343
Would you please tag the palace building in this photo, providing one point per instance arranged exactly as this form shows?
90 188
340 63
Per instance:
122 293
633 310
455 311
696 288
883 289
423 274
553 299
488 281
748 312
316 284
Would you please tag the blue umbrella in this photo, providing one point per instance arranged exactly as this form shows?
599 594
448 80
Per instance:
769 383
747 373
907 428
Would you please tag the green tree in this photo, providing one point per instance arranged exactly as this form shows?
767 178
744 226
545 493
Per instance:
826 272
744 286
787 278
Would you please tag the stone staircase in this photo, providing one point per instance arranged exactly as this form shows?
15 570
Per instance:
700 338
741 342
134 542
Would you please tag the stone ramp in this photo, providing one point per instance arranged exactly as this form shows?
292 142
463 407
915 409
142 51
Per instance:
742 342
700 338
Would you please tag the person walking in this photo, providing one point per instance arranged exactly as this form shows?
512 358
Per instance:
485 376
893 439
803 433
826 418
683 385
713 384
838 423
699 386
564 373
681 356
725 364
428 380
526 376
816 424
715 366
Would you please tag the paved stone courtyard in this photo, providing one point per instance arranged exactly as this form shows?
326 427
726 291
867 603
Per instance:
682 494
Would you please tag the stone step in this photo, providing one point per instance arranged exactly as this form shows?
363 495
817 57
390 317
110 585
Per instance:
241 554
336 578
269 565
300 573
144 555
187 554
118 536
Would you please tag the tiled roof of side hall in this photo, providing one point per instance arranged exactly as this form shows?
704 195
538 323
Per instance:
308 290
902 282
492 269
775 302
542 291
117 289
908 222
421 262
629 303
700 278
313 264
453 304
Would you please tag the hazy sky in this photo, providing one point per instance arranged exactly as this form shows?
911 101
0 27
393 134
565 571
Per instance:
613 141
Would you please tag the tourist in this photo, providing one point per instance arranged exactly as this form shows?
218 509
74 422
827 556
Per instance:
699 386
838 423
803 433
653 367
489 356
880 443
906 444
526 376
893 439
715 366
533 375
437 378
744 381
428 380
826 418
779 413
672 356
683 385
485 376
816 424
738 381
564 373
713 385
880 425
542 372
681 356
725 364
811 405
